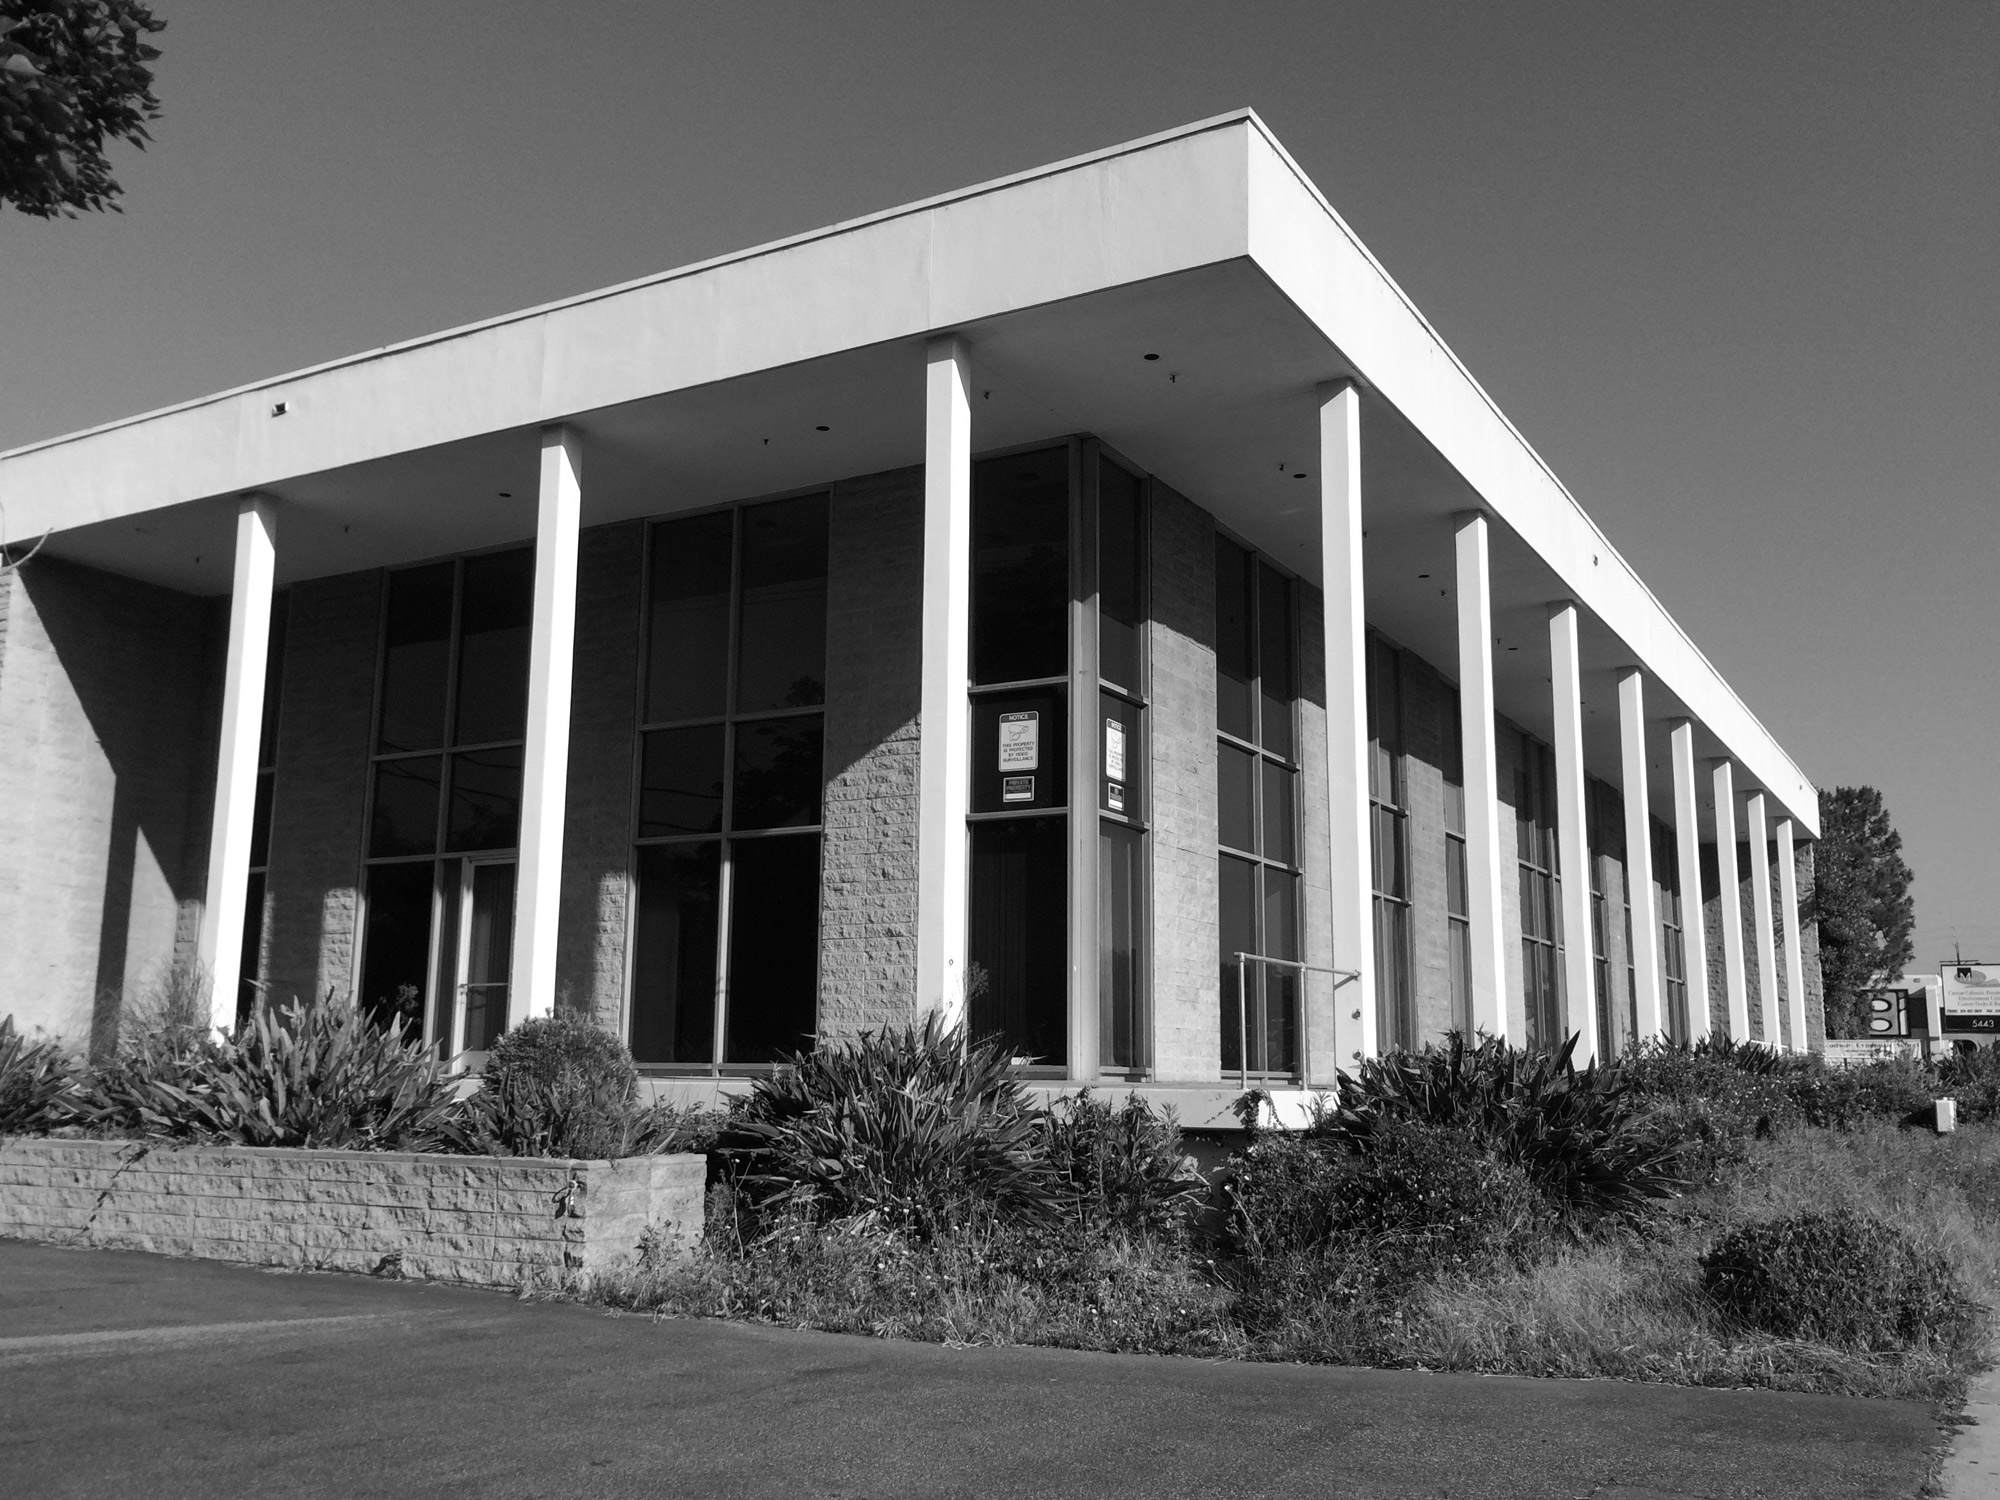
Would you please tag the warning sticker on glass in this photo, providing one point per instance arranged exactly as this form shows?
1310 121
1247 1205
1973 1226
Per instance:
1020 742
1017 789
1114 750
1114 796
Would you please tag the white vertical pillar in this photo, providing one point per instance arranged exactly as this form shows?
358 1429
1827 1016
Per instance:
1353 871
1788 913
531 989
1646 973
1687 847
219 943
944 740
1572 832
1757 830
1729 886
1481 763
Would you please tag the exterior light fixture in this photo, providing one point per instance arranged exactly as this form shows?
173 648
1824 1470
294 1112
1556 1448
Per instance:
279 408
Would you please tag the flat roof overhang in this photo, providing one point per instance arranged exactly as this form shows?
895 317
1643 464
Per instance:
1205 246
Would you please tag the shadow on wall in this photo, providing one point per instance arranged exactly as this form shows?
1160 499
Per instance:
109 711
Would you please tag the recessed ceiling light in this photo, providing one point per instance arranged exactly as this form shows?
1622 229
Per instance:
822 428
1423 575
505 494
1513 648
1301 474
1152 356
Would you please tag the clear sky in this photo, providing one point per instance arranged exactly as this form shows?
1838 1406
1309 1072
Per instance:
1734 269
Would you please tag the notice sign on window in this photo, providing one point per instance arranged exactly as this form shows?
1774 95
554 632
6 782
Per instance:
1017 789
1114 750
1970 990
1020 745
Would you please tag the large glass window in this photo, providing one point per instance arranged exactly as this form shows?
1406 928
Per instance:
445 796
1389 843
250 969
1673 949
1257 774
1122 759
1018 938
1541 909
725 968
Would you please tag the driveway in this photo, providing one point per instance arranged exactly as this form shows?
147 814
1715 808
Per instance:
125 1374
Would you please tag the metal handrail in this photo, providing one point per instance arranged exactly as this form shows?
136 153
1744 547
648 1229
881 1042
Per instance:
1243 962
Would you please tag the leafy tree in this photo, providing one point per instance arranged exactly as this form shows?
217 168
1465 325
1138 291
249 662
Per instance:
1861 899
74 75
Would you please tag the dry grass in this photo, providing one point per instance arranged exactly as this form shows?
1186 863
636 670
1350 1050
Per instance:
1619 1303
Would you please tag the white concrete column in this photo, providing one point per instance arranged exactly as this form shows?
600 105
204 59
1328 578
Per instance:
1687 847
219 940
1481 762
1788 914
1647 976
531 990
944 763
1572 833
1757 829
1729 886
1353 872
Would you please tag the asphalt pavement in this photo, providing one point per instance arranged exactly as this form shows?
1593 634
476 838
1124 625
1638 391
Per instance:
136 1375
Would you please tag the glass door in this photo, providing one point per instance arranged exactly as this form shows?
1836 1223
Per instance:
485 953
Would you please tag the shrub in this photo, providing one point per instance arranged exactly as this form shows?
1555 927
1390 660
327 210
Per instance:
1841 1098
1839 1277
1125 1166
661 1129
556 1086
1579 1134
328 1076
1408 1198
37 1078
913 1126
1972 1078
159 1084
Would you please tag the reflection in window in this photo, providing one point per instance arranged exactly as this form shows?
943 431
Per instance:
1020 918
1673 950
726 935
1257 773
1541 911
1389 844
446 782
1020 567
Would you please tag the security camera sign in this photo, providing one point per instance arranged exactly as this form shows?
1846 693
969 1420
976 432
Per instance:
1970 990
1020 742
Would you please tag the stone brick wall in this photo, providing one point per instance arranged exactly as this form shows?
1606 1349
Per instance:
105 710
319 795
597 833
488 1221
1187 1032
874 663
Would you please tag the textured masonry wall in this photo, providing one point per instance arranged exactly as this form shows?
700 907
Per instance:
105 712
597 835
1187 1037
485 1220
874 650
319 796
1711 906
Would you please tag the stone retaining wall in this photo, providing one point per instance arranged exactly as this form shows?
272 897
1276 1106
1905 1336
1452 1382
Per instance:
487 1221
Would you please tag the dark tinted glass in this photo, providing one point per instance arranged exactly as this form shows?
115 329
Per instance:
1274 663
1236 797
687 663
778 766
1020 567
274 682
1020 750
1235 642
416 654
494 618
1120 560
406 807
774 948
489 955
1280 816
1281 914
1236 882
1121 922
1020 935
260 821
781 646
673 957
485 800
253 945
397 943
680 786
